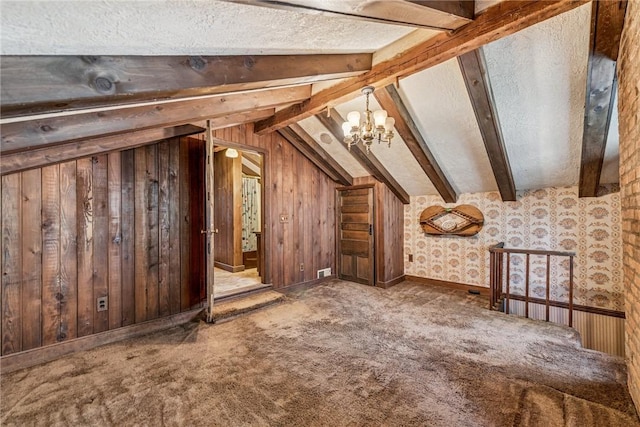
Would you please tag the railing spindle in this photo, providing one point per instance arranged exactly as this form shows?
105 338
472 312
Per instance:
548 285
508 278
571 291
492 279
526 291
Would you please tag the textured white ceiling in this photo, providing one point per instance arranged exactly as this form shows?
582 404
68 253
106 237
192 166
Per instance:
438 101
398 160
539 81
335 148
169 27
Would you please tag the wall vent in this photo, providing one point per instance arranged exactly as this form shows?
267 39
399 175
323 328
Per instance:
324 273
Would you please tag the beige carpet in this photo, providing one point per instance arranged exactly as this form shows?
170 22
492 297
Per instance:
339 354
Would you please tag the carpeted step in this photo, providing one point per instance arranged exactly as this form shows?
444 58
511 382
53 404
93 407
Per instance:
244 304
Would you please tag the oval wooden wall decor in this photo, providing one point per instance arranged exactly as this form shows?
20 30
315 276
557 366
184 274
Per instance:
463 220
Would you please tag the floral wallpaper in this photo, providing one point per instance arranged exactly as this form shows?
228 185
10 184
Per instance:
250 213
548 219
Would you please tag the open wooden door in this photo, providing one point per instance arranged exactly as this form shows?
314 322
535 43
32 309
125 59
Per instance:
209 227
355 235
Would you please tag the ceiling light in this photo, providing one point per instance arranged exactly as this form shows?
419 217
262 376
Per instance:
376 125
231 152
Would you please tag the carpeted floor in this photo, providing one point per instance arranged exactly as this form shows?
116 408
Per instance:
335 355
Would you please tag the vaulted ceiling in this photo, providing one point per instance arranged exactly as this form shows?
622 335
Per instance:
476 110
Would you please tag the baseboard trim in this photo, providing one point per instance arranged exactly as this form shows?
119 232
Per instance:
229 268
390 283
302 286
37 356
453 285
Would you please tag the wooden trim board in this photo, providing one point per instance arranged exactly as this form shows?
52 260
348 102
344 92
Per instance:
453 285
37 356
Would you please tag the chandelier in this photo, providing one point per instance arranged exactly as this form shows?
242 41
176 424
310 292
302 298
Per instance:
376 125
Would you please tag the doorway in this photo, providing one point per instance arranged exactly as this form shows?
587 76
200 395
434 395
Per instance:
238 219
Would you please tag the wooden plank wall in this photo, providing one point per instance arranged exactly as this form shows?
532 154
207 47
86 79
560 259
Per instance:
294 187
228 211
112 225
390 233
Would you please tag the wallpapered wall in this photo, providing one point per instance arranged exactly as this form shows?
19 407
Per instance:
550 219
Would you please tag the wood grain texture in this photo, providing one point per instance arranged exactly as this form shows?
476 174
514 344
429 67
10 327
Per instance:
32 269
11 264
114 188
174 254
76 239
163 229
84 218
30 134
283 190
501 20
390 100
100 241
50 239
607 19
68 252
15 162
44 84
476 79
128 222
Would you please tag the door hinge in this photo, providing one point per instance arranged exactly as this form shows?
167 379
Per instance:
370 229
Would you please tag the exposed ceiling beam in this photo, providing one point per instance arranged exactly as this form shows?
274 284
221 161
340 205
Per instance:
476 78
41 84
389 99
249 168
20 161
496 22
256 159
435 14
369 161
304 143
38 132
607 19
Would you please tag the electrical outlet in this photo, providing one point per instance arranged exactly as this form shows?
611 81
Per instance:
301 266
284 218
103 303
410 257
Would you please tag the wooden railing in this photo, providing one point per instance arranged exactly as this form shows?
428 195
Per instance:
500 291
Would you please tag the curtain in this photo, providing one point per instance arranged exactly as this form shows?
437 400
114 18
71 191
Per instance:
250 212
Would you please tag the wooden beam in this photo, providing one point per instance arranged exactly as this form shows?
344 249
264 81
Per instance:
304 143
501 20
39 84
38 132
19 161
476 78
434 14
389 99
607 19
369 161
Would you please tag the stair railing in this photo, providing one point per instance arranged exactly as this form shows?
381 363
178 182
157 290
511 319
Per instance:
500 291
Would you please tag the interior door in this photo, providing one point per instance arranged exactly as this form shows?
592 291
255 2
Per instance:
209 227
355 235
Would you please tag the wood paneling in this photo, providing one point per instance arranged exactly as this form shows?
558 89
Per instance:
41 84
110 225
296 188
389 237
228 211
37 133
